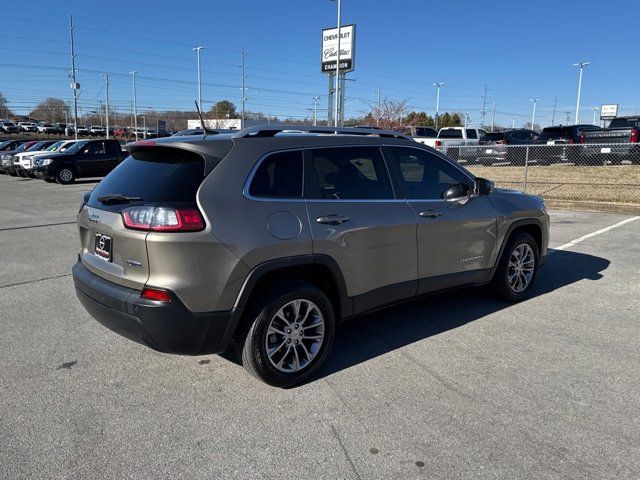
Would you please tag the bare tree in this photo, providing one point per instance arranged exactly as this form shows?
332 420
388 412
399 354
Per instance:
391 115
51 110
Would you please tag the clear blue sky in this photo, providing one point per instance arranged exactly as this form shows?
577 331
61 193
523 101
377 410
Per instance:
520 49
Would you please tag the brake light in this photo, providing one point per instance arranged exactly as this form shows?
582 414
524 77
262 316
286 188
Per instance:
500 142
635 134
155 294
438 143
162 219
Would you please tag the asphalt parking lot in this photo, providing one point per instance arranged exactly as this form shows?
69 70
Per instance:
452 386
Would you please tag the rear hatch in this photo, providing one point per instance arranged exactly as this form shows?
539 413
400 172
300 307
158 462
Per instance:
153 190
621 130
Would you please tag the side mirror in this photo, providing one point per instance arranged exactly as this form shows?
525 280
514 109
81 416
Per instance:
483 186
458 193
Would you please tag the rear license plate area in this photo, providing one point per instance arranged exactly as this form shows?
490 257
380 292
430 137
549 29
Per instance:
103 246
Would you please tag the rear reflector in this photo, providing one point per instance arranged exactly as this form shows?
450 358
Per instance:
162 219
157 295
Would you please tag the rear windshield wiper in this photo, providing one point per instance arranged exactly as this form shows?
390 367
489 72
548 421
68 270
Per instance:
117 198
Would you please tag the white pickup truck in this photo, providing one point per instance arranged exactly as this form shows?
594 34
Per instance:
455 137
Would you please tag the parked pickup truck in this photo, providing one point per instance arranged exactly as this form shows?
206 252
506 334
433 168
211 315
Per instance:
86 158
619 143
449 140
421 134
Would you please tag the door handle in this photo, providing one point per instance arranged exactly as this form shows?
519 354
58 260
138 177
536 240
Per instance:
430 214
332 219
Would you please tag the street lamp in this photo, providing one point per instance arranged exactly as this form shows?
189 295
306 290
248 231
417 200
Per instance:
197 50
595 110
513 122
437 85
581 65
533 117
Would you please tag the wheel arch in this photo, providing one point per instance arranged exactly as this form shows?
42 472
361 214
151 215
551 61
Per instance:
532 226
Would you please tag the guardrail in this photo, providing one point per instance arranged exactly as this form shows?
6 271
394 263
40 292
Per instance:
604 174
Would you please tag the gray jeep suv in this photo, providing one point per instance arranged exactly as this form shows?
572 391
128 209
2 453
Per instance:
264 239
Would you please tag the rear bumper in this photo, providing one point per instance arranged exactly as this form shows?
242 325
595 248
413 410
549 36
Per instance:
164 326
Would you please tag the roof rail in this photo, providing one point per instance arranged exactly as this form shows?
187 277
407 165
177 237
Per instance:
270 131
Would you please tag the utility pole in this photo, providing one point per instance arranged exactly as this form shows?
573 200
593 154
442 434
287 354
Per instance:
337 119
244 97
493 117
379 107
533 117
466 119
74 84
437 85
135 106
568 116
106 111
315 110
197 50
581 65
553 115
484 105
513 122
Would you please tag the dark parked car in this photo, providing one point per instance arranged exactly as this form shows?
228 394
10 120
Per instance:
557 140
618 143
87 158
506 147
6 158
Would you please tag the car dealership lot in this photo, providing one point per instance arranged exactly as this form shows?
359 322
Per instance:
452 386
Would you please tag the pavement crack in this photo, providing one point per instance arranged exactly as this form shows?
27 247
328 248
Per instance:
36 280
36 226
344 450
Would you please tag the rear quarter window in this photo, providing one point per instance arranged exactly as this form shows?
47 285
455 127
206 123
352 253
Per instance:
279 175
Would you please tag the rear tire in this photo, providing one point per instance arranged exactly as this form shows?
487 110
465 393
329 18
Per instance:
518 268
290 335
65 176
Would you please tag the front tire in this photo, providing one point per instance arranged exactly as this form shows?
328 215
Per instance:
290 336
65 176
518 268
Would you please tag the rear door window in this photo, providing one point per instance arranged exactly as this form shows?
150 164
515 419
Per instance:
471 133
349 173
278 176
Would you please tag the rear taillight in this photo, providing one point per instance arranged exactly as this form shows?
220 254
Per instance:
571 141
582 138
500 142
438 143
162 219
155 294
635 136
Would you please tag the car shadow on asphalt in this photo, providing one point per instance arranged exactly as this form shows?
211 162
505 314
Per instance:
368 336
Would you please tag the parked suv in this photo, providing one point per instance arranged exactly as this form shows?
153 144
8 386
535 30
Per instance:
85 158
265 239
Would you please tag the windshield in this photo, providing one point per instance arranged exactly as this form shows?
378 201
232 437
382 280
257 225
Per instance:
494 136
23 147
551 133
76 147
624 123
450 133
36 146
5 143
54 147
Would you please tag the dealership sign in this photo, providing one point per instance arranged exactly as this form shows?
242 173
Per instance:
330 49
607 112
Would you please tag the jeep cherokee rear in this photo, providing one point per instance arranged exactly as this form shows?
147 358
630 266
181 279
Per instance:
264 238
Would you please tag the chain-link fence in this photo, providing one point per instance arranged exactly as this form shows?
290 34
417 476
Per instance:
606 174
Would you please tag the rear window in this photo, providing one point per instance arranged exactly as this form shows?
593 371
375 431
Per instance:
450 133
494 136
158 175
555 132
624 123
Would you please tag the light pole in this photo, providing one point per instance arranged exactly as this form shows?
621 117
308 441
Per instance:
144 126
135 105
106 110
513 122
315 110
437 85
581 65
337 119
533 117
595 110
197 50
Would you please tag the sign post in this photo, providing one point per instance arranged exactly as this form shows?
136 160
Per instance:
329 65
